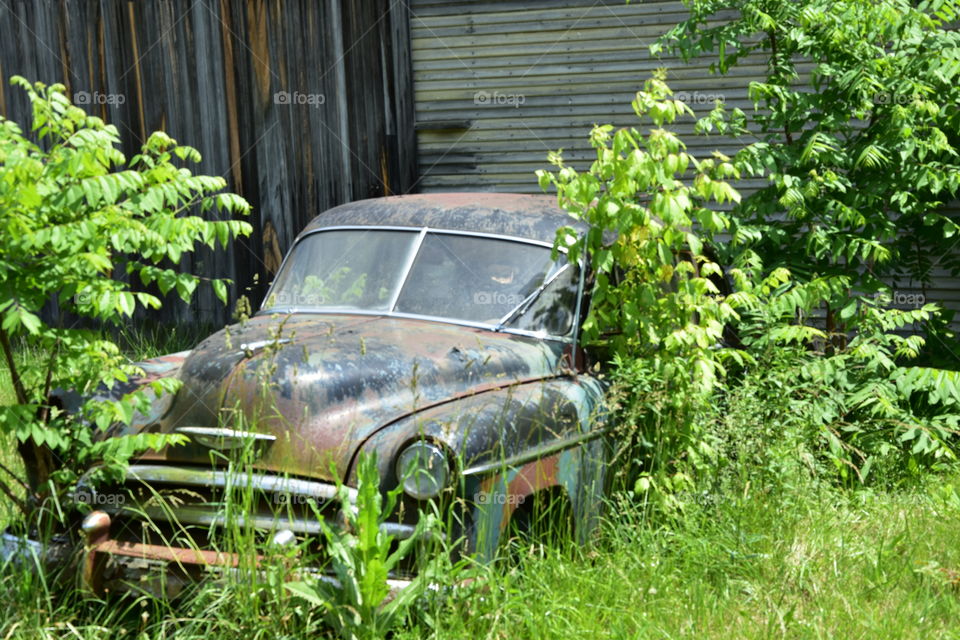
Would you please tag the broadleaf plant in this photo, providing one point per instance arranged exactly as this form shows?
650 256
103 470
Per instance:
674 325
362 557
857 128
88 230
656 307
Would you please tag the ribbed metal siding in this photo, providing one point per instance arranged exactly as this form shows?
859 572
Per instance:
499 84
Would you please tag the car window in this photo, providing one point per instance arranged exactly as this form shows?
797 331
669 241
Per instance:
468 278
552 311
345 269
472 278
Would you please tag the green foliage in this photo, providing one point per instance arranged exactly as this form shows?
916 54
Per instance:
653 295
361 559
655 304
858 125
87 229
662 311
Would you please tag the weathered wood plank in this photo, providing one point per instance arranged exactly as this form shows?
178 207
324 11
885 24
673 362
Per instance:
212 75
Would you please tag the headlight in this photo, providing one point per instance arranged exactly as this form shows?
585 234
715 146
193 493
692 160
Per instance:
423 470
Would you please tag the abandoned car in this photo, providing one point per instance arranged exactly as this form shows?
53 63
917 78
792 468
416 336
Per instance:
438 331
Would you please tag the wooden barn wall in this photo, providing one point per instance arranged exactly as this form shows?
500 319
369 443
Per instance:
211 73
500 83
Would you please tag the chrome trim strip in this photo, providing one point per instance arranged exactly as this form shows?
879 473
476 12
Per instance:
149 473
576 313
225 434
415 316
480 325
248 349
206 517
534 454
452 232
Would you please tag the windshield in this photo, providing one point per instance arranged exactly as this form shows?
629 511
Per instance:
475 279
348 270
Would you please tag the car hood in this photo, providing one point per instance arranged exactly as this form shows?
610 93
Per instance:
322 384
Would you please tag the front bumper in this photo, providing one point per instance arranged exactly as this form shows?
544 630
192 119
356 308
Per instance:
107 561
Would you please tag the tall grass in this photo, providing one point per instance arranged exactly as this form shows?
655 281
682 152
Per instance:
765 548
829 563
818 565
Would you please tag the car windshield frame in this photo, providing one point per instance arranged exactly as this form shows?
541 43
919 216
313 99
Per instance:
408 263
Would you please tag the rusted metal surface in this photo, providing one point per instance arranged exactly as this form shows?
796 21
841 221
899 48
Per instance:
508 214
316 390
170 554
342 378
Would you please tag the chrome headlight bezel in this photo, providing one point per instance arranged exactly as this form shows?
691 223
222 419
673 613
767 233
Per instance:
423 470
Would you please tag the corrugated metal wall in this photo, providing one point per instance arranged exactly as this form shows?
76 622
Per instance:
211 73
498 84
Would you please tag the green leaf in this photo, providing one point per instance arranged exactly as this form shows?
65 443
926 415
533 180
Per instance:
220 289
307 592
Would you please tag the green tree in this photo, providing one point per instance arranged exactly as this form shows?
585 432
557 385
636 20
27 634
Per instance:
657 310
89 229
858 121
655 307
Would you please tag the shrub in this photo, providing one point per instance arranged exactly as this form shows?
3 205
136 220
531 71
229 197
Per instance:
87 229
664 323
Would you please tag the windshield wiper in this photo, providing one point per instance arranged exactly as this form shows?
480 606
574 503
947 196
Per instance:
524 305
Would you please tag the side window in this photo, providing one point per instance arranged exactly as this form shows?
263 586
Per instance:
553 310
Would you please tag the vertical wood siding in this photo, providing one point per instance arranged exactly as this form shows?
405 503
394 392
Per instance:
209 72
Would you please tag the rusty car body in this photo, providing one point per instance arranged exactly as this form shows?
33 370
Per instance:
438 331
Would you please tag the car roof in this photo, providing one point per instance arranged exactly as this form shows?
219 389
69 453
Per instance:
509 214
